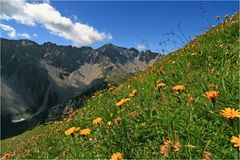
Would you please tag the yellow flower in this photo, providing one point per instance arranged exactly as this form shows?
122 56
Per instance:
160 85
133 93
97 121
212 95
85 132
236 141
117 156
109 123
122 101
230 113
178 88
70 131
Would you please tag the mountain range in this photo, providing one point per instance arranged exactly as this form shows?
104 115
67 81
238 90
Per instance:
37 79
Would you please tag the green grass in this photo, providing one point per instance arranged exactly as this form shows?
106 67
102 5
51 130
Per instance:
142 124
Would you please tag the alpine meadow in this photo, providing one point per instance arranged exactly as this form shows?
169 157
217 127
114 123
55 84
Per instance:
183 106
136 104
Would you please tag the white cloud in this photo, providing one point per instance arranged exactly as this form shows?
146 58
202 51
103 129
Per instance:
141 47
35 35
11 32
44 14
24 35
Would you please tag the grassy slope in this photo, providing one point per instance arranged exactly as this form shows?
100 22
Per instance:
142 124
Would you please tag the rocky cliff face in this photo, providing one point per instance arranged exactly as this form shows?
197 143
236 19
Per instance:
36 77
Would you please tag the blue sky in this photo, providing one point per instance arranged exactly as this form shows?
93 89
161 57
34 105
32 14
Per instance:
129 24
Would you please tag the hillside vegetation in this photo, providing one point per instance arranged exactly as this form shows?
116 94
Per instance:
149 116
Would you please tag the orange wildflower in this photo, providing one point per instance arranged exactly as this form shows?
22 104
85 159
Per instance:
160 85
164 151
122 101
85 132
70 131
118 104
165 147
212 95
133 93
166 142
236 141
97 121
178 88
230 113
117 156
7 155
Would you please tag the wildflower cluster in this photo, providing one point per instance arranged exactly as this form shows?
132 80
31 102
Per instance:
73 130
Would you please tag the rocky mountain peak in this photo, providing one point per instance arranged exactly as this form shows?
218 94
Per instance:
37 77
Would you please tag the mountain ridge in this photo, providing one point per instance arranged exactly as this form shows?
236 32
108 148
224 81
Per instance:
36 77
